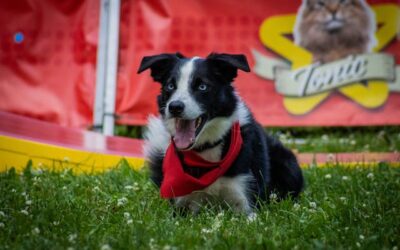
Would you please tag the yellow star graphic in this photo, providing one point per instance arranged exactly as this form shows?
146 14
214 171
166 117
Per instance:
371 95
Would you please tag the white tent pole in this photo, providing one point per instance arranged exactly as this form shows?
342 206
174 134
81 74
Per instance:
98 109
106 70
112 64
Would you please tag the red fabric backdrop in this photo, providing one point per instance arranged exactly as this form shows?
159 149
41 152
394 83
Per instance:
50 74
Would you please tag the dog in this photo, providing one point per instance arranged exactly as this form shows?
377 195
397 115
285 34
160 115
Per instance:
205 145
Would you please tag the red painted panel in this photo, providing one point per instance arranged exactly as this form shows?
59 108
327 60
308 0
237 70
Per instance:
48 56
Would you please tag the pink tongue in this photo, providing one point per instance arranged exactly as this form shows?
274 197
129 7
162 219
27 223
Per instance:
185 133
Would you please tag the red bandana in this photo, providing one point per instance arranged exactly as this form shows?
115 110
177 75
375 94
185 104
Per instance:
178 183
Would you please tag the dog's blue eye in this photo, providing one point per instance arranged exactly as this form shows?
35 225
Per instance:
202 87
170 86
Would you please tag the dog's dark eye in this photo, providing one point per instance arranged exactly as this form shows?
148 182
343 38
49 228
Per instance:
170 87
202 87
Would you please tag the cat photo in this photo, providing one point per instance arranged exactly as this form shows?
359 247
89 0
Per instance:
335 29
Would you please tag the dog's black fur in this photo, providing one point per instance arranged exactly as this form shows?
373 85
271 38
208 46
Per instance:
273 168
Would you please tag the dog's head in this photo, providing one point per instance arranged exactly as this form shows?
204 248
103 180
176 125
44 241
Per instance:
194 91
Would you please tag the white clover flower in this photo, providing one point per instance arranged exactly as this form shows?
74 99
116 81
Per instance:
56 223
206 231
13 190
167 247
72 237
28 202
23 211
37 171
130 221
296 206
96 189
353 142
282 137
370 176
358 244
2 225
251 217
328 176
176 223
273 196
345 178
121 202
64 188
128 187
152 244
36 230
220 214
330 157
362 237
313 205
127 215
24 194
234 219
325 137
216 225
36 180
105 247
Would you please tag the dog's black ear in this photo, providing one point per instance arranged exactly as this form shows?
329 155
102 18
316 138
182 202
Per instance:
227 64
159 65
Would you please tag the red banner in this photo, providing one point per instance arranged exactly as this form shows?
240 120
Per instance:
312 65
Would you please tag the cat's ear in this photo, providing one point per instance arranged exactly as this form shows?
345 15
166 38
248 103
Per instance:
227 65
160 65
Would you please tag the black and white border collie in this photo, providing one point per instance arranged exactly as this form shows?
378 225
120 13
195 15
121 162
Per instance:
198 106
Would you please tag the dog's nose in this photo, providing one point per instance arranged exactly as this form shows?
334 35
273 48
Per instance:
176 108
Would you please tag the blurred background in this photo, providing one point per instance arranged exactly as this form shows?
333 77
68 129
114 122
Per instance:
74 63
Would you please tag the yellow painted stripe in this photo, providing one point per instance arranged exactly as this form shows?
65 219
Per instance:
17 152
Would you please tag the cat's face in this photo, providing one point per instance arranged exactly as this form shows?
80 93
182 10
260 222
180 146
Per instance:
333 15
332 29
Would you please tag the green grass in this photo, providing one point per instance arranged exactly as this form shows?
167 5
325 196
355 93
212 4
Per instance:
340 208
344 139
321 139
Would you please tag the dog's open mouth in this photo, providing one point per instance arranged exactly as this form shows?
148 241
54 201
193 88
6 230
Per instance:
187 131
